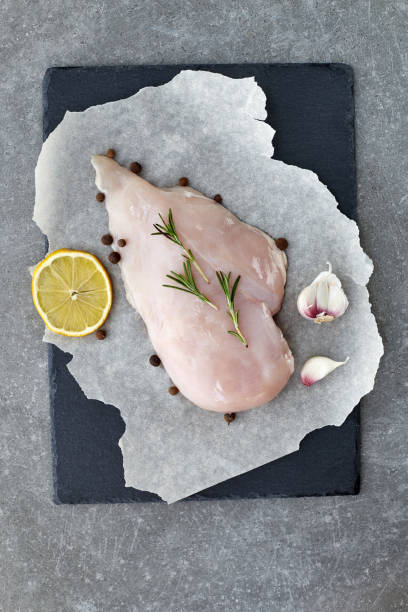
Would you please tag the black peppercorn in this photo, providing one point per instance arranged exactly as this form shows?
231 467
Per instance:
135 167
173 390
111 153
100 334
121 242
183 181
107 239
282 244
100 197
229 417
217 198
155 361
114 257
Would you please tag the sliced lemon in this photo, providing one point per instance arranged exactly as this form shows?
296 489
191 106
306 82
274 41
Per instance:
72 292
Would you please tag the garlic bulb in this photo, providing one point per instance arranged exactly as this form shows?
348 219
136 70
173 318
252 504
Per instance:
323 300
316 368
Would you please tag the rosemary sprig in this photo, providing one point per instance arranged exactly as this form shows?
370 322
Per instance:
187 283
224 280
169 231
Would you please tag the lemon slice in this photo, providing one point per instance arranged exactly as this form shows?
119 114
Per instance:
72 292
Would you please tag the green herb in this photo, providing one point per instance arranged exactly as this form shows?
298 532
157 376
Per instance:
187 283
169 231
224 280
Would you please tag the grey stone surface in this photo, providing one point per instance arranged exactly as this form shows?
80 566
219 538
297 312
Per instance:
328 554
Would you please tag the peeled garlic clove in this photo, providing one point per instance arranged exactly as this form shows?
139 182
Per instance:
316 368
323 300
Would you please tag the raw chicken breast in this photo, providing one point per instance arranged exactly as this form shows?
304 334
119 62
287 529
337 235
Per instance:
209 366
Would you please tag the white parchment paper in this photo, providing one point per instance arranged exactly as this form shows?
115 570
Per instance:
210 128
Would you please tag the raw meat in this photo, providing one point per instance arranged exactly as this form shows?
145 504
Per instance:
210 367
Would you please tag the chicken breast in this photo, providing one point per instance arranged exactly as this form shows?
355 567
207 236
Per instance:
211 368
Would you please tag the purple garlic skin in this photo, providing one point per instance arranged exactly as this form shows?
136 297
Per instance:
324 300
316 368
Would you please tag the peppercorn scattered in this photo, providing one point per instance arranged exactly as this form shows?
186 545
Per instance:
111 153
282 244
135 167
107 239
217 198
173 390
100 197
121 242
229 417
100 334
155 361
114 257
183 181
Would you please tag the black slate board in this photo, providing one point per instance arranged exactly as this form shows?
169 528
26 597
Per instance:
311 108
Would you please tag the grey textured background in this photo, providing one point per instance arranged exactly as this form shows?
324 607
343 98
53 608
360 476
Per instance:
329 554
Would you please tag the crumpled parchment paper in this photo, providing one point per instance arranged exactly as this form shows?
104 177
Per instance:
208 127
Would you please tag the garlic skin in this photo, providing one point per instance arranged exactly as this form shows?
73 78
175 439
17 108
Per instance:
316 368
323 300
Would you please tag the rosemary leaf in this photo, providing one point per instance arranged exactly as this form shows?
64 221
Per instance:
168 230
224 280
240 338
187 283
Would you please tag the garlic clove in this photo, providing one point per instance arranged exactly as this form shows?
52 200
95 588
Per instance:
337 302
306 302
322 296
316 368
323 300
